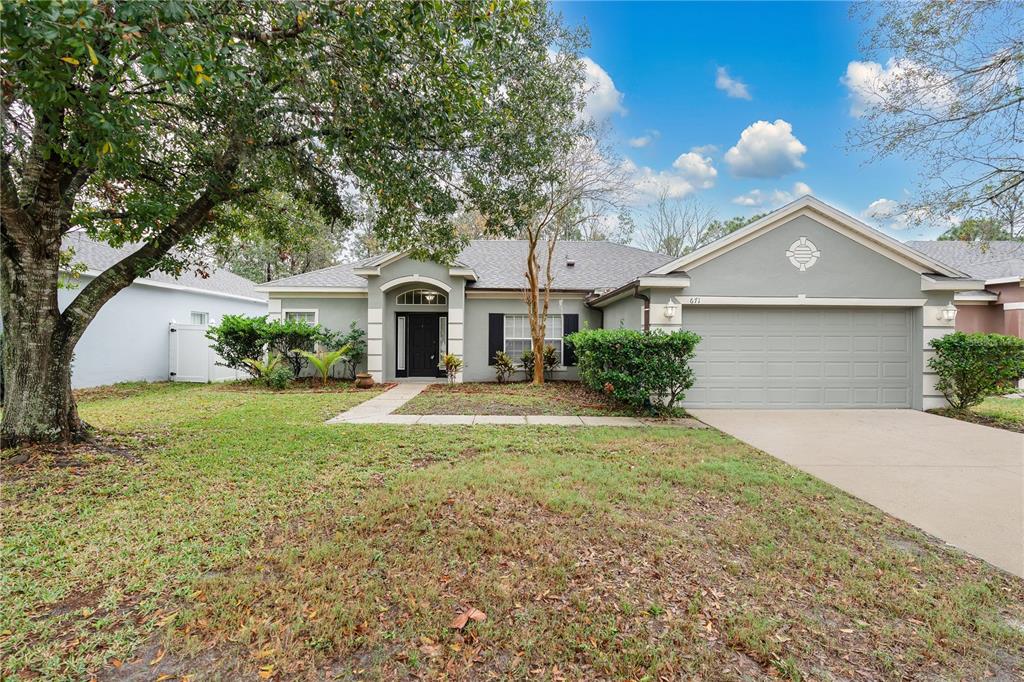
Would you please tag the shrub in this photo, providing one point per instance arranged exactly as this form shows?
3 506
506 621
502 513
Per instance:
504 367
355 339
527 359
551 359
648 371
278 378
270 373
324 361
452 365
238 338
288 337
973 366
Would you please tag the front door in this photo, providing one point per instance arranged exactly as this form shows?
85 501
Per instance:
423 344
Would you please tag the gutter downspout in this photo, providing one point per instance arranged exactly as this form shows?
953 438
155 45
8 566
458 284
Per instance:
647 307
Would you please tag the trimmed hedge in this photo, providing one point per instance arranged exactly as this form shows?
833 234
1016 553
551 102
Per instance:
647 370
972 367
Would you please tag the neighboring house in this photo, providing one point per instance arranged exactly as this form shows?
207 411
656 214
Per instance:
129 340
999 308
806 307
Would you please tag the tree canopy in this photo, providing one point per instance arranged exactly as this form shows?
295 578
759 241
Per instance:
948 97
141 121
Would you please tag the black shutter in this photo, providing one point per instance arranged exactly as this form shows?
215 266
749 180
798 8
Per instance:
495 336
570 325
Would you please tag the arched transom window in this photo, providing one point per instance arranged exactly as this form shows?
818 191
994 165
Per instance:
422 297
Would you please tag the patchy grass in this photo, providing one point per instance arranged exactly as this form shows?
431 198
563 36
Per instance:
1002 413
568 398
251 539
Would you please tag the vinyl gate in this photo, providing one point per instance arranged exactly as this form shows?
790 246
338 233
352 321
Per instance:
191 358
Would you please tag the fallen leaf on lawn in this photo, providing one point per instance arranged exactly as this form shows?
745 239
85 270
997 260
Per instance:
469 614
159 657
164 677
266 672
431 650
264 653
116 662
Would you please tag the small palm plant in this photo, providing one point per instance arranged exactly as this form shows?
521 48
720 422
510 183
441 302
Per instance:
324 361
261 368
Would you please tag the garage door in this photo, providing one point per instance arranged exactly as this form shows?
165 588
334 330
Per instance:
801 357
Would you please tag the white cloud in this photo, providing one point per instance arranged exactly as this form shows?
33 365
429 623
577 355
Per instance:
704 149
766 150
882 208
904 82
731 86
697 169
649 183
772 198
891 214
644 140
603 98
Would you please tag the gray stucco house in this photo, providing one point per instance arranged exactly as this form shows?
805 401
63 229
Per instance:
129 340
807 307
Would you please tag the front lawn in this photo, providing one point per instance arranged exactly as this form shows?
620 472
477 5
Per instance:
223 533
521 398
1002 413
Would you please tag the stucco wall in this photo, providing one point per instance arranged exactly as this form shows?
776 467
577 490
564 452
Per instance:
477 311
128 339
992 318
334 311
627 312
845 269
984 319
382 308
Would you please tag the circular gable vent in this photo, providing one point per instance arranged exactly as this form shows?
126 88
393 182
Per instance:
803 254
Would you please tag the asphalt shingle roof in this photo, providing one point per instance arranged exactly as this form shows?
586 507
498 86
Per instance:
501 264
981 260
100 256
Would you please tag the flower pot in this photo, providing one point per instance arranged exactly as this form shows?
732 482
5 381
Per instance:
364 380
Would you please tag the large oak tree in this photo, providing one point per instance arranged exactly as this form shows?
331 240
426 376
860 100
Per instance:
140 121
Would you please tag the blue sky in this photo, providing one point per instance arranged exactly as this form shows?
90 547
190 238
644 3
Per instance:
688 83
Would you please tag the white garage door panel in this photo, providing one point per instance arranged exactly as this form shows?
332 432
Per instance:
801 357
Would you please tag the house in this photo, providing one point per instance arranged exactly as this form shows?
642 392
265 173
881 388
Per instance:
130 338
999 308
806 307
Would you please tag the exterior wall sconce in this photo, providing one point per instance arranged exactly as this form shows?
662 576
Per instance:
670 310
948 313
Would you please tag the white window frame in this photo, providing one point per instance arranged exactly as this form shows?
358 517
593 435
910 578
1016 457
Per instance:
315 311
558 341
205 316
442 299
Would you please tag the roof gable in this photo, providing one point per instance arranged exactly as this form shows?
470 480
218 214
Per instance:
829 217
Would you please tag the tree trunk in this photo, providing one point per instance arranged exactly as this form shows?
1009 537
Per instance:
37 348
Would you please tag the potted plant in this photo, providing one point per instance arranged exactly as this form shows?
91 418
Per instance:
364 380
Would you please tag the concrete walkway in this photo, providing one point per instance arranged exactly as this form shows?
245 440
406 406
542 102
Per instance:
961 482
380 410
382 405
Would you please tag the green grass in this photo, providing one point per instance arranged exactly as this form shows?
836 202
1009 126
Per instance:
250 536
1002 413
1008 411
552 398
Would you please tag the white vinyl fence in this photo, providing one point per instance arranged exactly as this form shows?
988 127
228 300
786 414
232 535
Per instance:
192 359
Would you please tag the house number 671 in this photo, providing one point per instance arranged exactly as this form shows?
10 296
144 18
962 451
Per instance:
694 300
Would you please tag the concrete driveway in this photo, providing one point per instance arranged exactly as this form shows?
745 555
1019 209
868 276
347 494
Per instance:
961 482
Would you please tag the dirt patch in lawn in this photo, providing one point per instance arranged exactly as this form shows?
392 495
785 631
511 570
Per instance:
569 398
975 418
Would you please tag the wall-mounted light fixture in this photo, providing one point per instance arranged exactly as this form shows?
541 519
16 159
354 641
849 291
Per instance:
670 310
429 297
948 313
